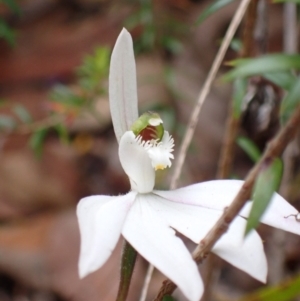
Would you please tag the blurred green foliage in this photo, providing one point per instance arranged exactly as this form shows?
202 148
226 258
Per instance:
212 8
159 29
6 32
284 291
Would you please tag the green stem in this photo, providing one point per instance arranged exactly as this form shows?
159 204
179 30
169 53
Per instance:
127 265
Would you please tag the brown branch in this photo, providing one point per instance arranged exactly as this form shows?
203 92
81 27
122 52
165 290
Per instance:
274 149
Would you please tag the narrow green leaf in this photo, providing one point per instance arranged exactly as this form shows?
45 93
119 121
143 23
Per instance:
215 6
239 92
36 141
284 80
22 113
284 291
290 101
262 65
7 122
266 184
249 147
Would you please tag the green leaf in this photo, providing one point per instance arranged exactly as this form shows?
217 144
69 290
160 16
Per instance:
249 147
36 141
284 291
94 68
218 4
22 113
290 101
262 65
239 92
266 184
284 80
7 122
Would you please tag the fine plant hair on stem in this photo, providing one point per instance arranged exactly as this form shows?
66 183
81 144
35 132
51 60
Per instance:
273 150
236 20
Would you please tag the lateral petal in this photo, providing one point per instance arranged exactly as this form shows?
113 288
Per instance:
216 194
122 85
246 254
279 214
136 163
156 242
220 193
100 222
194 222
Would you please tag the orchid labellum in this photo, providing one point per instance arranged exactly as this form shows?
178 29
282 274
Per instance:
148 219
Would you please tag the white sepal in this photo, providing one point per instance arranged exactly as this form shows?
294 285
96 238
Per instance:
101 219
157 243
122 85
246 254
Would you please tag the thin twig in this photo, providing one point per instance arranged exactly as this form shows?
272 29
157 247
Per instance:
206 89
194 117
233 122
273 150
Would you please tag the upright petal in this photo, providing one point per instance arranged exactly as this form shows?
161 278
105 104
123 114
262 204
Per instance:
100 221
194 222
156 242
136 163
122 85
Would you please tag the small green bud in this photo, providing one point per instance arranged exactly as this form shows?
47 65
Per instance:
149 126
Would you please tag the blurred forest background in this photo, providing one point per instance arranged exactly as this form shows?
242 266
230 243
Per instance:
57 143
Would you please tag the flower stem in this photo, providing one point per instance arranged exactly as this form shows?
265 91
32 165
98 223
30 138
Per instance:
127 265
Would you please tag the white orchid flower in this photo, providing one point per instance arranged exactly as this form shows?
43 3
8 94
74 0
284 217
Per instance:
148 219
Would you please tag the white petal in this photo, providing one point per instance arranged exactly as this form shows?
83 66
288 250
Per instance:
161 153
212 194
100 221
194 222
246 254
277 214
136 163
157 243
220 193
122 85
